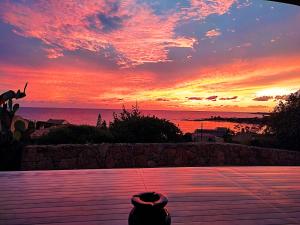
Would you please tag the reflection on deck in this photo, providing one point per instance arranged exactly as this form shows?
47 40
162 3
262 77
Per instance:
212 196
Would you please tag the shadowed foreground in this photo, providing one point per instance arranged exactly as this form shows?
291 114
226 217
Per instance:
215 196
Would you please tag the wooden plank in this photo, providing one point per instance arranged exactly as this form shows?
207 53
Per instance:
207 195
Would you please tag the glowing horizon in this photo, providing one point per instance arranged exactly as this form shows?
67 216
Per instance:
217 55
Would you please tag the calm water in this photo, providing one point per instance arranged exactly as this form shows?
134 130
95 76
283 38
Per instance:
89 116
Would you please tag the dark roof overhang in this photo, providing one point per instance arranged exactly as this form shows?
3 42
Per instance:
294 2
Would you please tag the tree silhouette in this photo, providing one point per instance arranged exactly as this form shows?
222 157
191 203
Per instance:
284 122
133 127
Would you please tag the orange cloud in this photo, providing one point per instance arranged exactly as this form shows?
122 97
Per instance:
247 79
69 86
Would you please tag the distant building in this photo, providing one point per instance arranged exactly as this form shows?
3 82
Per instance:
44 127
203 137
209 135
218 132
58 122
50 123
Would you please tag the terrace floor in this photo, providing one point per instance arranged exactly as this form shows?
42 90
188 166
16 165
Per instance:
198 196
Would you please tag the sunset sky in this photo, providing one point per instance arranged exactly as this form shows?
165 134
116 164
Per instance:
223 55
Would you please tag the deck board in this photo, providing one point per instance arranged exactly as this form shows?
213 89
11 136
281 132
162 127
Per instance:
197 196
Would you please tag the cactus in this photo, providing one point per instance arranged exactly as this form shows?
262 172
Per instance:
15 108
20 129
17 136
7 113
20 126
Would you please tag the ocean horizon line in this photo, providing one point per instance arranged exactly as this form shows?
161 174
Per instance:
167 110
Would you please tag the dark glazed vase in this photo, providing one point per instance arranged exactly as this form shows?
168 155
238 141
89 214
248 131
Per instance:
149 209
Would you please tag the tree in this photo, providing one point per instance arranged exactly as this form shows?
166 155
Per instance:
284 122
133 127
228 135
101 123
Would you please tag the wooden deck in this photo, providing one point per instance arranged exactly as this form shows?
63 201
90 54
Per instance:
197 196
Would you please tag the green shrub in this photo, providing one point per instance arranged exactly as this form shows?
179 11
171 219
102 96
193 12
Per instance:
76 135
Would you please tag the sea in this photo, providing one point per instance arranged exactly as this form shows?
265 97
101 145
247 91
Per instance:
183 119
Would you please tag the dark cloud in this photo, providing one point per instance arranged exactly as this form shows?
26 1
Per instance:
162 100
195 98
18 50
231 98
111 99
263 98
110 23
281 97
212 98
105 23
114 6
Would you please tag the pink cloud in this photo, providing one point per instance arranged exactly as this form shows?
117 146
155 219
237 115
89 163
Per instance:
200 9
140 37
131 34
213 33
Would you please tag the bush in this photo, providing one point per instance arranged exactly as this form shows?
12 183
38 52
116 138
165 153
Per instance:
132 127
264 141
76 135
284 123
126 127
187 137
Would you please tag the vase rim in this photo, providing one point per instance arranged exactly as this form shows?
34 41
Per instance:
149 200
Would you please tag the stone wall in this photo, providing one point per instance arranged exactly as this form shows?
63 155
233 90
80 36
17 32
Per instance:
151 155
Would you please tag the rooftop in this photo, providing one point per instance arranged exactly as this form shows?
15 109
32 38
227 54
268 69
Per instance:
198 196
57 121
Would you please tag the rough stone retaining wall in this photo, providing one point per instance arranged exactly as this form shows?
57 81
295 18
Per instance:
45 157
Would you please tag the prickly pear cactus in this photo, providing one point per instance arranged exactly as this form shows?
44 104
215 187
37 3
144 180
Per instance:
7 113
17 135
11 143
20 129
20 126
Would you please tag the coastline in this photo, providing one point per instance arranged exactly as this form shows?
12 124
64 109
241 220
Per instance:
239 120
186 120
